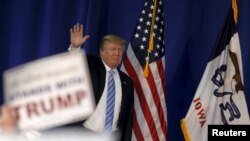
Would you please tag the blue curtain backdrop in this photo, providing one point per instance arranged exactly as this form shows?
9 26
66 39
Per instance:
31 29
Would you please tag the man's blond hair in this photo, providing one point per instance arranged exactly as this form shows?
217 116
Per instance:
112 38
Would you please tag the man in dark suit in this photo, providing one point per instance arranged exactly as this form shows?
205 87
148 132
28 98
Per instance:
111 52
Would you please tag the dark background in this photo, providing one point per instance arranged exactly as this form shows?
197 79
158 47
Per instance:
31 29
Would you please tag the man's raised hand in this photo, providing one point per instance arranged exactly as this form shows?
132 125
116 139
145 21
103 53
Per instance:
77 37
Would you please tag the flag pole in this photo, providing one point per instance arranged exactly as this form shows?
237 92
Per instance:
151 39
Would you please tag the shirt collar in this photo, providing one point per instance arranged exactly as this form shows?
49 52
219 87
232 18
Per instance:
108 68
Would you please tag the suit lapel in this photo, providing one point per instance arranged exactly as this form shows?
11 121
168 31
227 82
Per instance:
124 88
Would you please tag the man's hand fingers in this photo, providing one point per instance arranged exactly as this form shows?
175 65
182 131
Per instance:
85 38
75 28
81 29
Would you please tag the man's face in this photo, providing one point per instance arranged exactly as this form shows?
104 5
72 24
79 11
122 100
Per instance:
111 53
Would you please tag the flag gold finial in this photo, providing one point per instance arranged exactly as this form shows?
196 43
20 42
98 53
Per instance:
235 10
146 69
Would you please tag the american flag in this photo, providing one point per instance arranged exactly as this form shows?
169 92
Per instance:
144 62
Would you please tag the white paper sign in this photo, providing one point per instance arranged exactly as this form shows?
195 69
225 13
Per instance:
50 92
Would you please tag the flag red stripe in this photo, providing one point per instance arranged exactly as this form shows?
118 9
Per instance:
157 100
161 71
137 130
142 99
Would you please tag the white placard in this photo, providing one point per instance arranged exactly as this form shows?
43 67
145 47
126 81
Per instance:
50 92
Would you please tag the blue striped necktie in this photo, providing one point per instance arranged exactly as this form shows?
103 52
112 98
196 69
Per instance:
110 102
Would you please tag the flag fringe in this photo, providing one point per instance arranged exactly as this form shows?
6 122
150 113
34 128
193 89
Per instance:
185 130
146 70
151 42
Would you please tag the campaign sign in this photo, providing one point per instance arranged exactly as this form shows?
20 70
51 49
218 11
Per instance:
50 92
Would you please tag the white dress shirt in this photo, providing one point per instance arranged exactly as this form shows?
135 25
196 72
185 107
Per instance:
96 121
